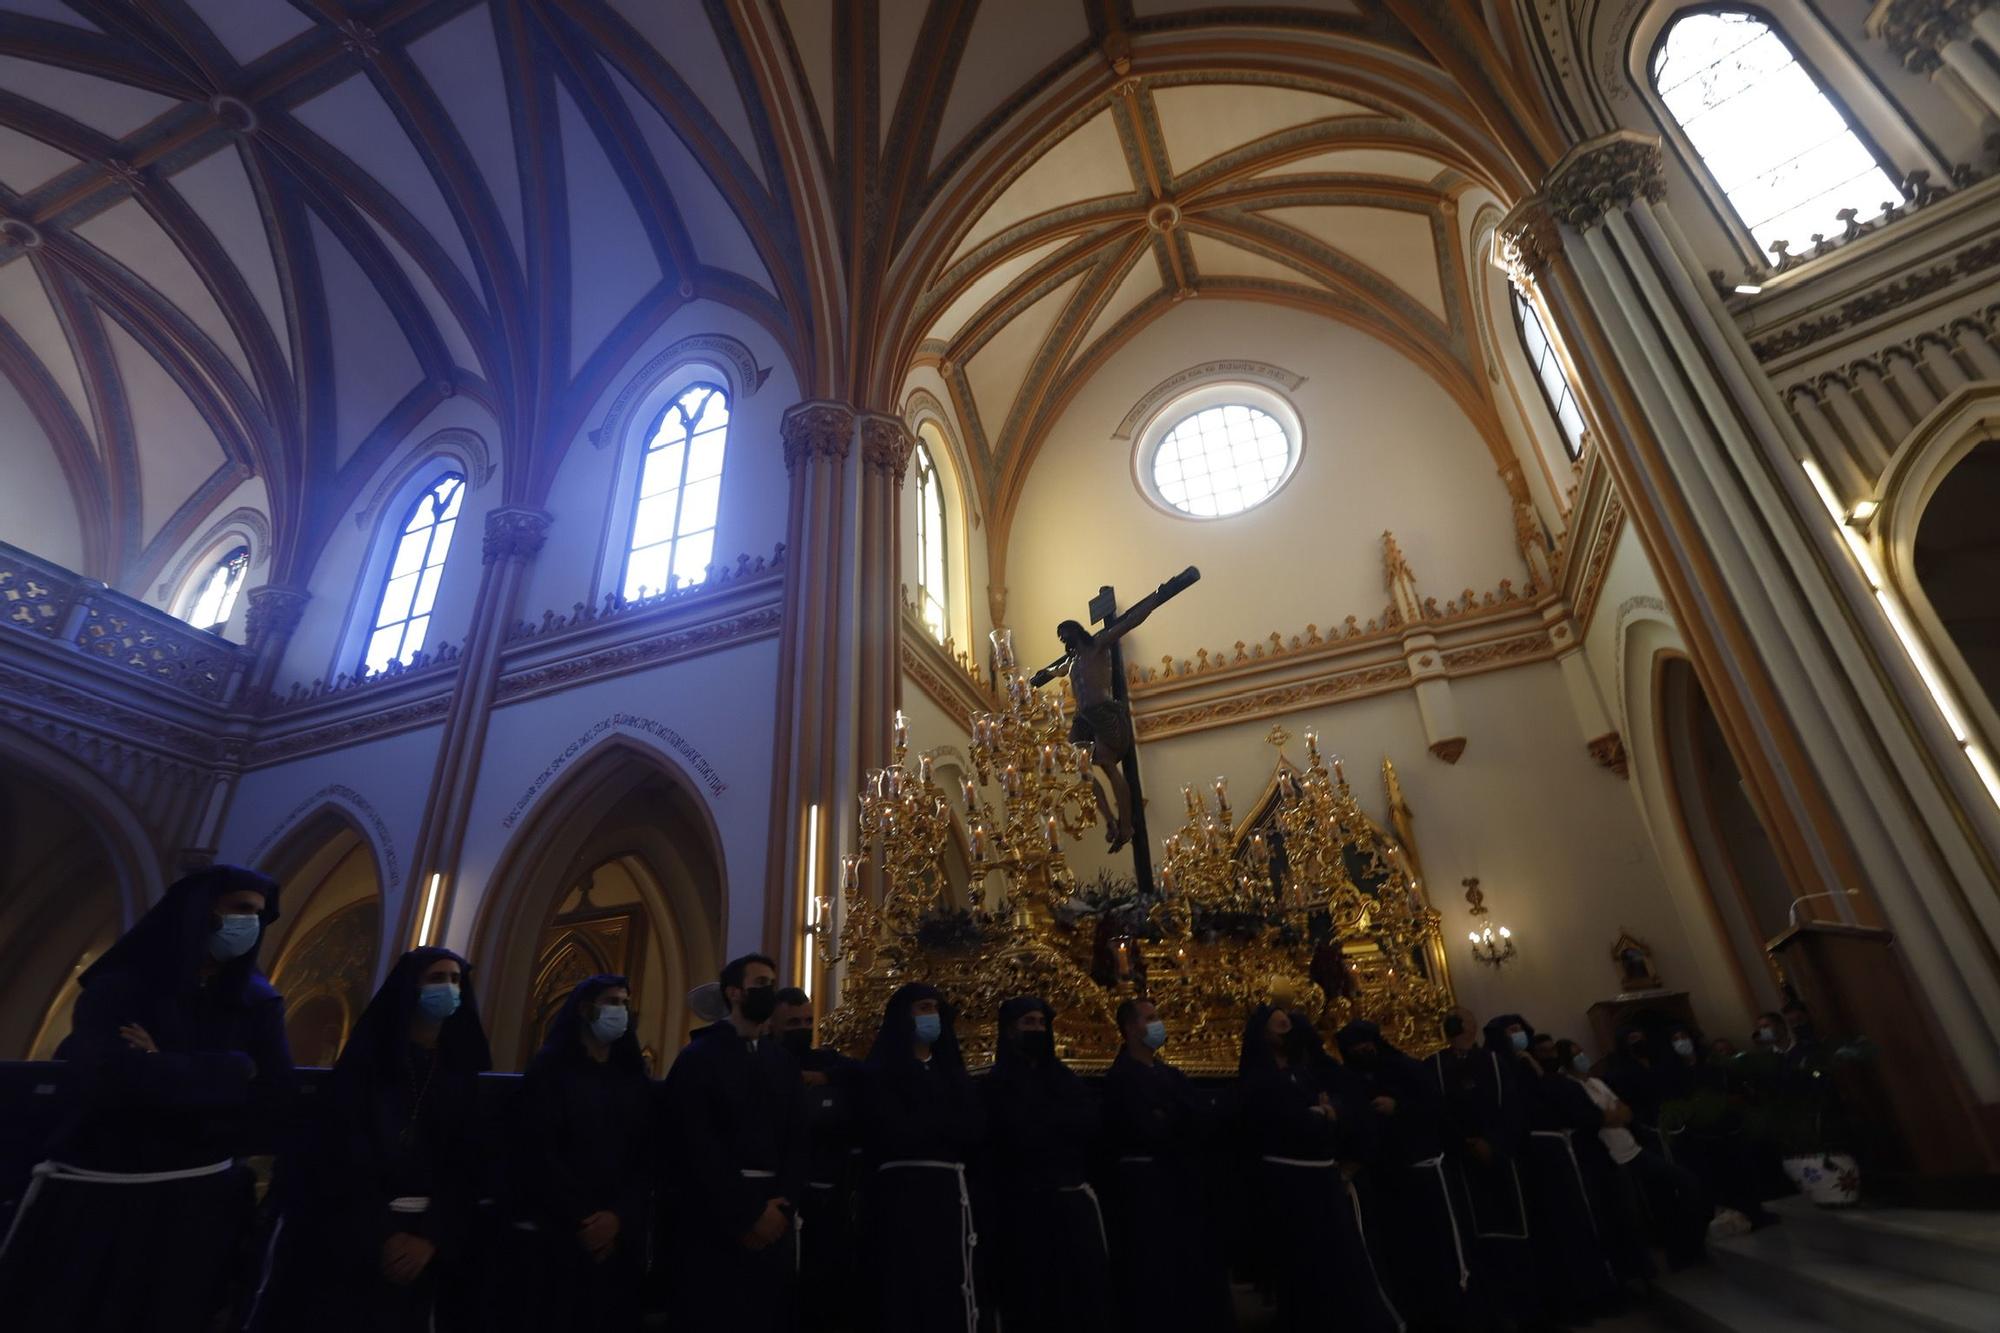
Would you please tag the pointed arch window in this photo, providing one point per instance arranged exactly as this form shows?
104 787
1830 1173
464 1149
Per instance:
403 612
933 600
680 490
1549 375
1781 151
215 600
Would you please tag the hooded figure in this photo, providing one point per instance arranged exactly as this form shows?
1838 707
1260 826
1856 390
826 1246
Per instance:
580 1168
1306 1129
921 1120
1484 1124
179 1061
378 1202
1636 1073
1050 1250
1428 1215
1563 1169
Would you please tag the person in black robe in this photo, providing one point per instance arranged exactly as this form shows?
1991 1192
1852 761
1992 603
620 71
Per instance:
920 1122
828 1255
1428 1251
1485 1118
1634 1070
1309 1130
580 1170
736 1160
378 1203
1564 1198
178 1055
1159 1131
1051 1251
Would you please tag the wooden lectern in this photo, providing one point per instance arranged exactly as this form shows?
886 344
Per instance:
1858 984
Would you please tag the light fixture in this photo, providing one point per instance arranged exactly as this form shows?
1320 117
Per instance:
1863 511
1748 288
821 918
1493 945
430 908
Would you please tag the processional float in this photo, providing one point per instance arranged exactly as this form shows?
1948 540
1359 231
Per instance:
1305 901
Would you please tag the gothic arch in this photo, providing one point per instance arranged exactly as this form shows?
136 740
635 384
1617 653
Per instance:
328 950
619 803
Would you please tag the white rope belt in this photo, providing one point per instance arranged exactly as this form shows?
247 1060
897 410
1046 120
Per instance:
968 1238
411 1204
1361 1230
1096 1209
83 1175
1302 1163
1136 1160
1450 1211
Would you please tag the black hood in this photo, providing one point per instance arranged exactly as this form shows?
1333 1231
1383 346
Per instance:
1496 1033
894 1051
165 948
381 1036
1007 1055
1360 1031
565 1036
1303 1045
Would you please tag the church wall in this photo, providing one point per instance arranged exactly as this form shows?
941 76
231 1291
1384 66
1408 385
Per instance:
968 562
36 511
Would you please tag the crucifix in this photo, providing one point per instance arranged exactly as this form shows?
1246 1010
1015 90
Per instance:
1095 664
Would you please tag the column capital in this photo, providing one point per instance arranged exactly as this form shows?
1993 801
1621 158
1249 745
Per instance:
1612 171
820 428
886 444
1915 30
274 609
514 532
1528 237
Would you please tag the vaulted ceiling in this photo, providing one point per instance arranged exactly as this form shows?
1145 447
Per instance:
252 243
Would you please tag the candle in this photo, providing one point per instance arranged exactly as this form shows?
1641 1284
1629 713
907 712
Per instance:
1222 792
902 730
1312 747
1187 791
924 766
971 795
1010 781
1048 764
850 872
1339 773
1053 831
978 840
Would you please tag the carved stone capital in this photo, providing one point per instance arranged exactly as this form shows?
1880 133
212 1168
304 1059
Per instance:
1612 171
817 430
514 532
885 446
1916 30
274 610
1609 750
1526 240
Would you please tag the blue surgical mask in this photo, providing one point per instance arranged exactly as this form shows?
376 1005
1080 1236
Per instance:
610 1023
1156 1035
1682 1046
1520 1040
928 1027
236 936
1766 1037
1580 1063
438 1000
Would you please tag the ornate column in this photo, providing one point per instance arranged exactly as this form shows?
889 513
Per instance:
514 536
1848 762
886 445
1929 35
270 622
815 695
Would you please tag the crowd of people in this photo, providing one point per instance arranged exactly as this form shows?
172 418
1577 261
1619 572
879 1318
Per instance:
1506 1181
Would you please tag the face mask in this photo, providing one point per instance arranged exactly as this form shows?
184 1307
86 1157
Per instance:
234 937
1682 1046
1520 1040
610 1023
759 1003
1155 1035
799 1041
928 1028
438 1000
1766 1037
1580 1063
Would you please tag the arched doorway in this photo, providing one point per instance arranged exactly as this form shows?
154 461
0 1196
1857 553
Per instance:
1732 853
325 952
1956 560
620 871
71 876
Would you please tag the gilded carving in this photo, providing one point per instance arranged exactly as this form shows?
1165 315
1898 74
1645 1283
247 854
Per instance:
817 430
514 533
1597 562
1527 238
1266 703
1609 750
1612 171
1460 660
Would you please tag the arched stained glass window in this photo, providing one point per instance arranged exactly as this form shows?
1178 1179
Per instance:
932 599
216 599
1549 374
403 615
1766 131
680 488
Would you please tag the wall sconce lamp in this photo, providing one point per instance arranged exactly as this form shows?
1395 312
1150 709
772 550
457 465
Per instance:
1494 945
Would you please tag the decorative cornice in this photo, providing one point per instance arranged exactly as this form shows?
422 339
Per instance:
885 445
1597 559
1208 372
514 532
274 610
721 578
1526 239
1499 652
348 731
1597 176
692 641
948 678
1916 30
1972 261
817 430
28 694
1267 703
1609 750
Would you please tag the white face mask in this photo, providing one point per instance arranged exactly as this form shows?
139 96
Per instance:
1682 1046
